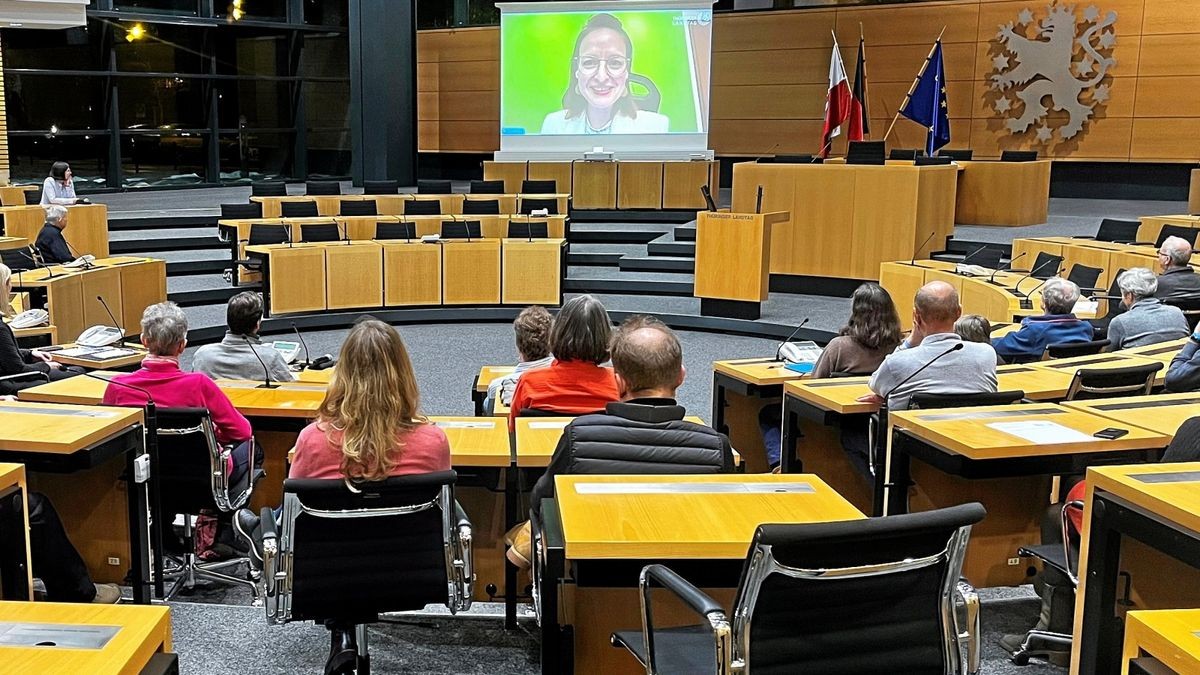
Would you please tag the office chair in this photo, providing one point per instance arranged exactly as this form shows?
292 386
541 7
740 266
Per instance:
193 475
343 555
865 152
1085 278
434 187
263 235
315 233
1113 306
393 231
1116 231
359 207
957 155
835 598
461 229
934 401
33 197
304 209
381 187
1186 233
1190 309
933 161
529 205
539 187
322 187
1063 558
11 384
241 211
481 207
487 187
1093 383
422 207
530 229
649 99
1045 265
1019 156
17 259
1066 350
905 153
271 188
988 257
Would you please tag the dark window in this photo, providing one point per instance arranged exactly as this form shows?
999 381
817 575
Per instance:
184 7
435 14
326 12
30 157
166 158
162 103
51 102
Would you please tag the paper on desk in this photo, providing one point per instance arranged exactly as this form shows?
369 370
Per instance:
559 424
457 424
76 352
1042 431
689 488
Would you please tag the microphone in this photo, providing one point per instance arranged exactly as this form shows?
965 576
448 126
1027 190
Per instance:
407 236
824 149
974 253
1026 303
957 346
36 259
1008 265
779 350
706 192
80 371
86 265
758 200
288 229
307 360
267 383
771 151
116 324
917 250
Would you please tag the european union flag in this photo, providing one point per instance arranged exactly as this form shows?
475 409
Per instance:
926 101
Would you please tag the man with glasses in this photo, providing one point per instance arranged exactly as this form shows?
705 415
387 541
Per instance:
1178 281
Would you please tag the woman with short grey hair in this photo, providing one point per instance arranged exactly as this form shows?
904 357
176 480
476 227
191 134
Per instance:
164 329
1148 320
1059 296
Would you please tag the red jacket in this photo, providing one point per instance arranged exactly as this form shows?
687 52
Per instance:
173 388
568 387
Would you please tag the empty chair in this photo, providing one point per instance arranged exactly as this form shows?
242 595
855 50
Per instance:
933 401
461 229
1186 233
17 259
385 231
271 188
1045 265
529 205
359 207
487 187
1190 309
314 233
481 207
539 187
1113 300
1120 231
1085 278
422 207
905 153
532 229
301 209
956 155
1018 156
933 161
342 555
865 152
841 598
263 235
241 211
434 187
33 197
1090 383
1067 350
381 187
1062 557
322 187
984 257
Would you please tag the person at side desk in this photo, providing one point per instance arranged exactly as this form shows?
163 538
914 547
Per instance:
1178 281
1184 372
59 186
237 356
1058 325
532 328
51 245
13 359
1148 320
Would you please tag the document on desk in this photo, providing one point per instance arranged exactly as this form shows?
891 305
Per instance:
60 635
459 424
557 424
1042 432
688 488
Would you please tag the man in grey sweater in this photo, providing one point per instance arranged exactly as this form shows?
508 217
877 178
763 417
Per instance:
1148 320
237 356
969 370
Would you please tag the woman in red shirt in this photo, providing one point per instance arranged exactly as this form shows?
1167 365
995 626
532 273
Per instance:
575 383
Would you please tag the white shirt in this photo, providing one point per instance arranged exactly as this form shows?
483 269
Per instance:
54 192
645 123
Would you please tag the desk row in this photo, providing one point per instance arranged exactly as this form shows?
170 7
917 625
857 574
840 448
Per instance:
410 204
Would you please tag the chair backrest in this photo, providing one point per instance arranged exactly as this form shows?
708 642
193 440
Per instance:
385 231
934 401
1190 308
1185 446
1045 265
270 188
987 257
241 211
1066 350
481 207
359 207
1091 383
487 187
865 152
1112 229
319 232
301 209
262 234
532 229
645 93
192 468
1018 156
422 207
529 205
957 155
933 161
461 229
33 197
322 187
1181 231
905 153
539 187
434 187
17 259
1083 276
349 555
381 187
872 596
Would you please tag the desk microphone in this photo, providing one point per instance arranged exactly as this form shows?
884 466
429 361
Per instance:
307 360
405 223
1026 302
81 371
758 200
86 265
779 350
288 229
1008 265
38 261
706 192
116 324
972 254
917 250
267 383
342 232
957 346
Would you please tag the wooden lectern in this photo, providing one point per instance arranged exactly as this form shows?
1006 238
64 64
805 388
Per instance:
733 259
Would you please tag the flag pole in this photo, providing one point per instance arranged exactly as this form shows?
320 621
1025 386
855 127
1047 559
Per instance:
914 84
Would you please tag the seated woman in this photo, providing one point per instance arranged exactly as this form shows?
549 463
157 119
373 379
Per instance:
575 383
1148 321
13 359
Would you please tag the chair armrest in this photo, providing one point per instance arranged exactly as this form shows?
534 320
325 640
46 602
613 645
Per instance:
31 375
693 597
696 600
270 534
1091 292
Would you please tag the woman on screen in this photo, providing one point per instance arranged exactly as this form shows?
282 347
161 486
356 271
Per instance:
597 100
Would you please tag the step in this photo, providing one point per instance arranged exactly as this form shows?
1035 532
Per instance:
613 236
118 246
628 287
685 233
672 248
965 246
597 259
206 296
190 267
588 272
657 264
119 224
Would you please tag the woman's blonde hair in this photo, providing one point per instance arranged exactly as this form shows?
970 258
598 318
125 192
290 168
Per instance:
372 400
5 297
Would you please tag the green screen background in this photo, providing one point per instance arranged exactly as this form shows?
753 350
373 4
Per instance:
536 61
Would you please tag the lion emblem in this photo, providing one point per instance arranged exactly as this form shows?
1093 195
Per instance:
1048 65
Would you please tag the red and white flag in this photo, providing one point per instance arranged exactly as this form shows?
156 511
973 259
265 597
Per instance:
837 100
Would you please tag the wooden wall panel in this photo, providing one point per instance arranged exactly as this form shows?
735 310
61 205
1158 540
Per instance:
4 167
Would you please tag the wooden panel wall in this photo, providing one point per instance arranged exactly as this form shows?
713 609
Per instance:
4 168
770 72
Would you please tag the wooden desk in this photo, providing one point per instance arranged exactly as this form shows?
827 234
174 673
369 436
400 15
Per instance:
536 438
594 184
294 277
1003 193
77 456
16 576
9 243
118 363
1144 519
741 387
471 272
733 252
1162 352
1163 413
639 185
1013 295
14 195
412 274
1104 361
86 231
476 441
1167 637
128 285
480 386
512 173
1151 226
532 271
145 631
354 275
48 333
596 544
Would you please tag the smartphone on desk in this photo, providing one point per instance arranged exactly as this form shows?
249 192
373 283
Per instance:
1111 433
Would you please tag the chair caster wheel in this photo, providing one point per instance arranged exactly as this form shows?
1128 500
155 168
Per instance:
1020 659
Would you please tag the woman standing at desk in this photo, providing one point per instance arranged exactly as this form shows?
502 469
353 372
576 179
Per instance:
59 186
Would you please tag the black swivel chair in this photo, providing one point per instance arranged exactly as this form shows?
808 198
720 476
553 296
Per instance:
1117 231
1019 156
33 197
1186 233
434 187
302 209
875 595
957 155
487 187
481 207
1085 278
461 229
241 211
393 231
315 233
17 259
905 153
865 152
539 187
934 401
1190 309
193 475
529 205
987 257
1045 265
381 187
263 235
1113 298
342 555
933 161
422 207
271 188
1066 350
359 207
1063 558
531 229
322 187
1093 383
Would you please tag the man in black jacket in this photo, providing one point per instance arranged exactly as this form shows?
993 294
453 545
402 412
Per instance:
51 244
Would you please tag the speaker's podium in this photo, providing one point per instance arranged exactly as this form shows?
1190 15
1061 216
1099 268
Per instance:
733 260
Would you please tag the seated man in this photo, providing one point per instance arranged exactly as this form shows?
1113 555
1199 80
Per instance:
1178 281
50 244
969 370
1184 372
532 327
1148 320
237 356
1056 326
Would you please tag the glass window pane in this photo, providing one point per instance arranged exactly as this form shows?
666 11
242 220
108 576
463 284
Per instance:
257 104
326 56
328 152
257 153
271 10
42 102
30 157
162 103
482 13
435 14
184 7
326 12
164 49
67 49
163 159
326 104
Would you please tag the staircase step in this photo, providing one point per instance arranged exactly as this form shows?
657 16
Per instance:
118 246
657 264
685 233
595 259
672 248
205 296
613 236
116 224
628 287
189 267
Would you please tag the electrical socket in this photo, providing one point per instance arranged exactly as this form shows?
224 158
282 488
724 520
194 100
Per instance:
114 561
1014 561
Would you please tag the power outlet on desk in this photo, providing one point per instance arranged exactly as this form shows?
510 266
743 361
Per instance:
114 561
1014 561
